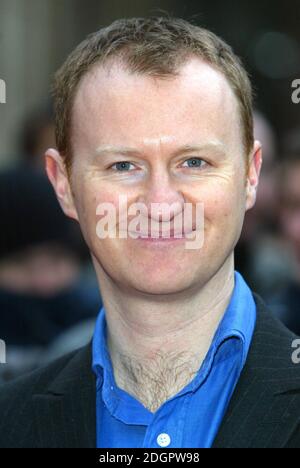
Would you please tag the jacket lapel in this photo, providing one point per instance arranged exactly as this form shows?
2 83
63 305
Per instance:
65 414
264 409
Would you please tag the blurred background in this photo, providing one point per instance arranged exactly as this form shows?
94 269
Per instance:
48 293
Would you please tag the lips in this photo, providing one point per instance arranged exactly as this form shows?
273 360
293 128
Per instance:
159 235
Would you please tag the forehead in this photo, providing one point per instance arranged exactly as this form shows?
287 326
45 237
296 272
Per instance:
114 105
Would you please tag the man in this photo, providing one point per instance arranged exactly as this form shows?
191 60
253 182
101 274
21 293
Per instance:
158 111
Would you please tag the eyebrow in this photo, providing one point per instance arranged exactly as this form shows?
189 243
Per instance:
125 150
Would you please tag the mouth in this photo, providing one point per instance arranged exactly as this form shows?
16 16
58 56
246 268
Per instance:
171 236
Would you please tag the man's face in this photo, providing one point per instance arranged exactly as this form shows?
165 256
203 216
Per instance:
156 118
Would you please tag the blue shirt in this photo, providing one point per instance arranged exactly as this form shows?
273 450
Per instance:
193 416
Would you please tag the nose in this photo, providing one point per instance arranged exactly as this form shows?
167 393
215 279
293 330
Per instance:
162 197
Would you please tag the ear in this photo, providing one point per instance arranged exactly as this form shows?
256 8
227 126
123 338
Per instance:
58 177
254 169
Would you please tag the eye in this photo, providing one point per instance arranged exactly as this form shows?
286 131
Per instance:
122 166
194 162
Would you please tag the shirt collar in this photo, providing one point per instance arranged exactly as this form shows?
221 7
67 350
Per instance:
101 357
239 318
238 322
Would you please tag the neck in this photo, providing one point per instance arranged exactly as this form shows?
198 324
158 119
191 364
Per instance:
163 340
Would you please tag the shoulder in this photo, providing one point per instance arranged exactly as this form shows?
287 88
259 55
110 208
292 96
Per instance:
273 345
275 358
269 329
267 396
34 381
17 397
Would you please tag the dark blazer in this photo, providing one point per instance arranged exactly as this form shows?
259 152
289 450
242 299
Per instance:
55 406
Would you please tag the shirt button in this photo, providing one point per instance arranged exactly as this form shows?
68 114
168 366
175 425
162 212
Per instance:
163 440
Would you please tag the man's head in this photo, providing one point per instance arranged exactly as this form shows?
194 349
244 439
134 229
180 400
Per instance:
164 93
156 47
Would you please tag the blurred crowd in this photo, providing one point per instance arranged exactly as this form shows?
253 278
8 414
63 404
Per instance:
268 253
49 297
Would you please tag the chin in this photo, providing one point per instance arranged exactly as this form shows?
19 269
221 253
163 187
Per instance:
161 286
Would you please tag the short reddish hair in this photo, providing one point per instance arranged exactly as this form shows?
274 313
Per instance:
155 46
